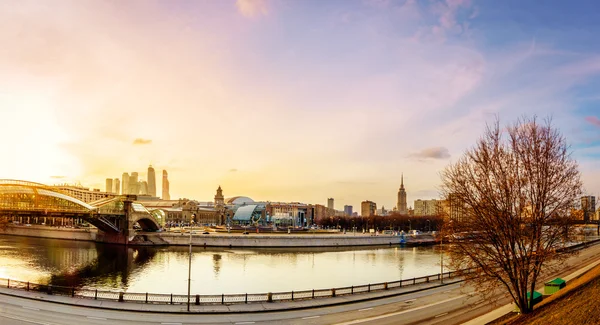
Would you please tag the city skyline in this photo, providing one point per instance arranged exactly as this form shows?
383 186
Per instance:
289 101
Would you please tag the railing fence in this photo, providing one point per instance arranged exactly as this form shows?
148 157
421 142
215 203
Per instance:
197 299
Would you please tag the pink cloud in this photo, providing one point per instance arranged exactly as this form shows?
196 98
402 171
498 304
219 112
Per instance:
252 8
593 120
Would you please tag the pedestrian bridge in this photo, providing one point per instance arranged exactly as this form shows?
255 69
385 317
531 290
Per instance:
115 215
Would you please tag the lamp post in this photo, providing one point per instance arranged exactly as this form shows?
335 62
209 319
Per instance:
428 225
442 258
409 225
190 263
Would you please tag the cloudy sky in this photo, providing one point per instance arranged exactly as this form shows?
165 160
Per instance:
287 100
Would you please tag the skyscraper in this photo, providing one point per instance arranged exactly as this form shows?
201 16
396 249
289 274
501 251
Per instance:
143 188
151 181
109 185
125 187
165 186
116 186
330 203
401 206
134 186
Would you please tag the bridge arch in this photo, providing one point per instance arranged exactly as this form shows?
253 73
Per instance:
147 221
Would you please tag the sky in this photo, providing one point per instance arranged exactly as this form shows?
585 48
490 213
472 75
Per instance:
287 100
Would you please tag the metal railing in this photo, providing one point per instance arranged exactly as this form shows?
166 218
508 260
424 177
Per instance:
218 299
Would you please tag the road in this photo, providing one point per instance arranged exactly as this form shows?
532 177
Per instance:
452 304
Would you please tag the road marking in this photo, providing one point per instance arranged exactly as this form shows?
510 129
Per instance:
171 323
241 323
30 308
96 318
365 309
440 315
409 301
311 317
358 321
24 320
447 291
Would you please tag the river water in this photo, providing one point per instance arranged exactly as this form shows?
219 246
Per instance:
214 270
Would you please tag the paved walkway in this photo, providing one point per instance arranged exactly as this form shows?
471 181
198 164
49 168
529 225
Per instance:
222 309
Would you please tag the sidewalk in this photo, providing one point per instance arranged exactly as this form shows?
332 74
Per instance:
501 311
224 309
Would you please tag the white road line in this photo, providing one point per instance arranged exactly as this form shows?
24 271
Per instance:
447 291
310 317
365 309
96 318
30 308
409 301
24 320
241 323
171 323
440 315
358 321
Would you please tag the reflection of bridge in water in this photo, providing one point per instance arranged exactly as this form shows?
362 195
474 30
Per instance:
112 266
115 217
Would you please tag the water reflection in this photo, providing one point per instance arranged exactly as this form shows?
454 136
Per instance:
214 270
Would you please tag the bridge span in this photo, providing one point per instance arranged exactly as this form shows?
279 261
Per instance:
29 202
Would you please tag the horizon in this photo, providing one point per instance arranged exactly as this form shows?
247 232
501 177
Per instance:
287 101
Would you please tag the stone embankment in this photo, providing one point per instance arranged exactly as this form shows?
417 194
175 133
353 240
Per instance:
88 234
225 239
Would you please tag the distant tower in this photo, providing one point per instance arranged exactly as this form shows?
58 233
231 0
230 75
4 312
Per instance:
330 203
134 185
116 186
220 205
219 198
402 198
151 181
109 185
125 187
165 186
144 188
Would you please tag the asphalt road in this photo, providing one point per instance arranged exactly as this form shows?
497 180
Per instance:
450 304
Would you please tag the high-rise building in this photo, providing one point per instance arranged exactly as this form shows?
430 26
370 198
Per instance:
330 203
134 186
151 181
588 205
401 206
109 185
143 188
348 210
368 208
125 185
116 186
427 207
165 186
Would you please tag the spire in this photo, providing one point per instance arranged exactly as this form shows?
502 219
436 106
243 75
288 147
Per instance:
402 182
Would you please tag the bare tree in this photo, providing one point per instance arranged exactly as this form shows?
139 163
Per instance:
510 198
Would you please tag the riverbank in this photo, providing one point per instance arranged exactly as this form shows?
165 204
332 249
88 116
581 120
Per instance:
87 234
571 305
281 240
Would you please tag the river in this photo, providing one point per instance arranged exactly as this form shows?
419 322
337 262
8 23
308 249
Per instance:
214 271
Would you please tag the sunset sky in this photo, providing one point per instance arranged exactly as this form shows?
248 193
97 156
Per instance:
287 100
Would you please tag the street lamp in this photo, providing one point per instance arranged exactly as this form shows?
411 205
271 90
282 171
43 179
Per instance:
409 225
428 225
193 216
